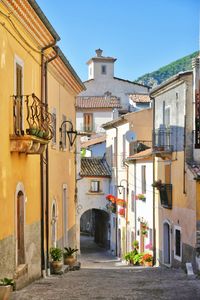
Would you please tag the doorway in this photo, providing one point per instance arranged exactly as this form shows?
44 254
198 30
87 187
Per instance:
94 231
65 217
166 244
20 228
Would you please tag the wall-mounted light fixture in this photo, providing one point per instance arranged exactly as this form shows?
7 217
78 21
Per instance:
121 188
71 133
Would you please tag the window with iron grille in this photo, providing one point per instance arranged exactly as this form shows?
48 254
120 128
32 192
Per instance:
95 186
54 126
64 134
166 195
177 240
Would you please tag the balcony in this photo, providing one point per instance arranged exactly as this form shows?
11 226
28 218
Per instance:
162 146
31 125
165 191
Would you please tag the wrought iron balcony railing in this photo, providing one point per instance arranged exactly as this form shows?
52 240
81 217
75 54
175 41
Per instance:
31 117
162 140
31 125
165 191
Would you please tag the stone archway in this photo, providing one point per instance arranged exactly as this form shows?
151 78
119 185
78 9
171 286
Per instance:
95 224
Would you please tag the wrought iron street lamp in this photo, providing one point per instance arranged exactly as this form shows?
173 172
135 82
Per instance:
71 133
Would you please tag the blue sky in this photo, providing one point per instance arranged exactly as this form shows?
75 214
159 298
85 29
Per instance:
142 34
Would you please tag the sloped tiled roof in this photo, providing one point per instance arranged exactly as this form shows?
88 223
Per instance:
140 98
141 155
94 167
94 141
97 102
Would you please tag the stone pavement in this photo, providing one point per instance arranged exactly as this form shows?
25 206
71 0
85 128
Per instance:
103 277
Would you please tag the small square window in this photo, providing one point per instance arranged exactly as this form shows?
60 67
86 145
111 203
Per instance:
95 186
103 69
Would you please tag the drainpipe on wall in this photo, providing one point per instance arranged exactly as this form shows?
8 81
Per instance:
135 206
47 170
116 163
127 198
42 181
42 175
154 230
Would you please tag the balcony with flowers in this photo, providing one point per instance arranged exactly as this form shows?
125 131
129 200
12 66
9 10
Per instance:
32 129
141 197
113 204
121 212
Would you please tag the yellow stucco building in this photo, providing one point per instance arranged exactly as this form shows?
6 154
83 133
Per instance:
37 180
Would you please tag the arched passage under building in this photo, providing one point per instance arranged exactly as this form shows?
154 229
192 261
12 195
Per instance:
94 230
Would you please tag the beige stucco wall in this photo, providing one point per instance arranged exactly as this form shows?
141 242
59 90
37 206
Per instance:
61 162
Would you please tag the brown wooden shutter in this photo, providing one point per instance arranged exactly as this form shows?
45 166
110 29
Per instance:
168 173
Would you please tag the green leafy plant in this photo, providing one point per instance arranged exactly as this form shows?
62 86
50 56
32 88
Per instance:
56 253
130 255
137 259
6 281
141 197
69 251
135 244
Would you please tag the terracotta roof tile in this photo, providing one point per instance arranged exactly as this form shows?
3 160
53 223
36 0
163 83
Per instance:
94 166
141 98
94 141
97 102
143 154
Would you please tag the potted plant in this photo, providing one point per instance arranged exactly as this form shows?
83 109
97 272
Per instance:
56 255
137 259
6 287
147 259
69 258
130 256
157 184
141 197
135 245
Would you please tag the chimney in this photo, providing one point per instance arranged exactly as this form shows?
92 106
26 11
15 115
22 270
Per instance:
99 52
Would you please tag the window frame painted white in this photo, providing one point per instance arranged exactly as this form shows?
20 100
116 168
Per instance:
93 181
20 62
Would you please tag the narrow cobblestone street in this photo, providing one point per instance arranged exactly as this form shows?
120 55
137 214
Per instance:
104 277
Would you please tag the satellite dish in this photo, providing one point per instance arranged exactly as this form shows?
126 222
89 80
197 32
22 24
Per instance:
130 136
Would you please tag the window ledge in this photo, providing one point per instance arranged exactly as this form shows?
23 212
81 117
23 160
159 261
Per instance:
95 193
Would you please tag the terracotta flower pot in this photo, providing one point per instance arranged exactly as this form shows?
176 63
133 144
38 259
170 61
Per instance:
5 291
69 260
56 266
147 263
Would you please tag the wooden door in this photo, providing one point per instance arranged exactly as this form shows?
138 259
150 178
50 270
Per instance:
20 229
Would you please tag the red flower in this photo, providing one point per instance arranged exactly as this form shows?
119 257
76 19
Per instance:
122 212
111 198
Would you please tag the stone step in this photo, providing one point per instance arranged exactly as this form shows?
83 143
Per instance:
21 276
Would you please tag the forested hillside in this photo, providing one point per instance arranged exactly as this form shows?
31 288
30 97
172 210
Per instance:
162 74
